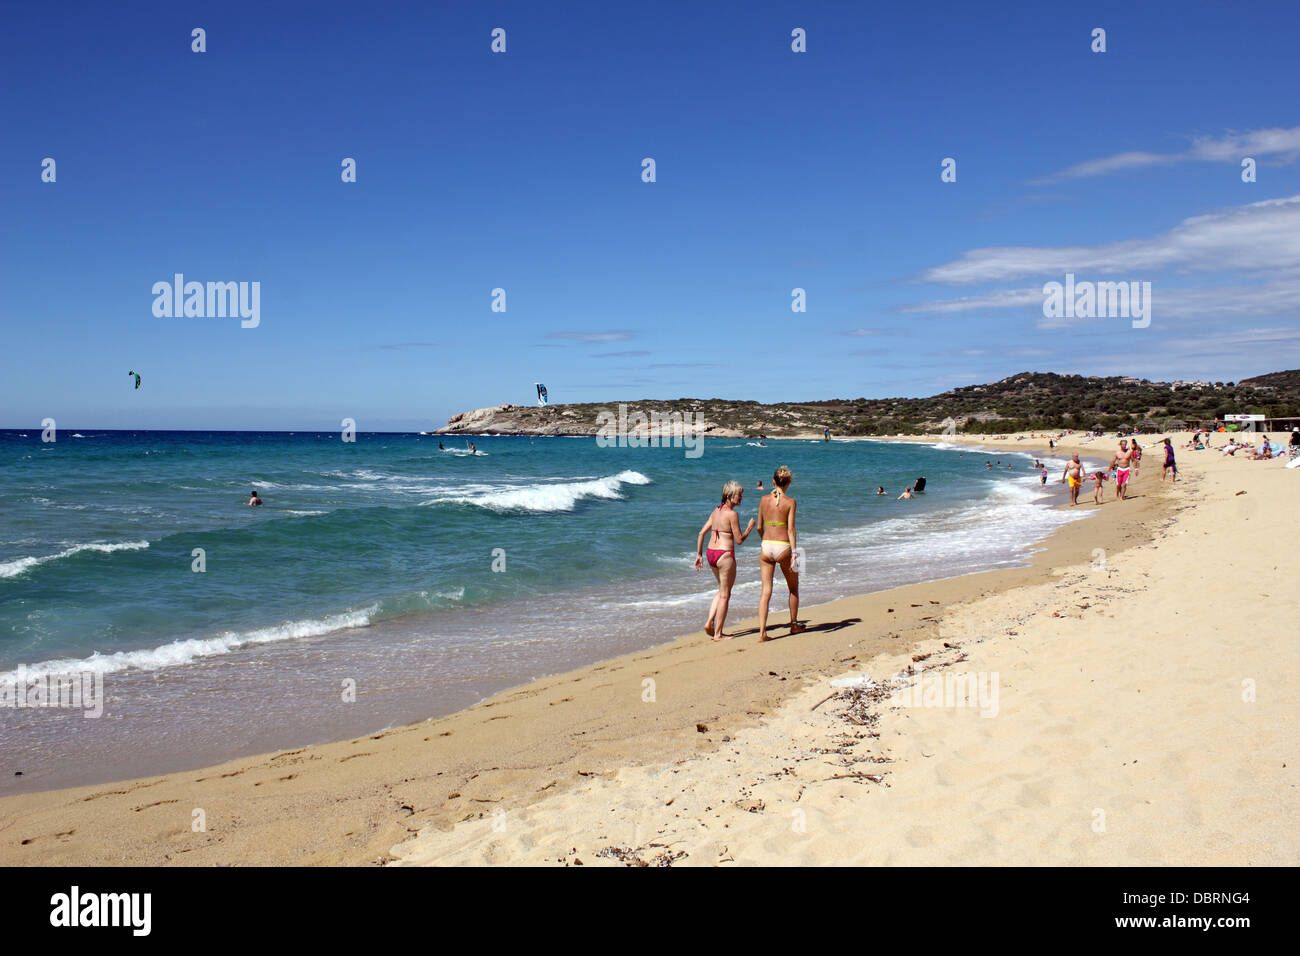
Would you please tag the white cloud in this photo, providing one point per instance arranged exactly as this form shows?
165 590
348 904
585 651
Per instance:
1001 299
618 336
1257 237
1280 145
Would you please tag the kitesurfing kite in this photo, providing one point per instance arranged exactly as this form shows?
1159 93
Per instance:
541 394
137 378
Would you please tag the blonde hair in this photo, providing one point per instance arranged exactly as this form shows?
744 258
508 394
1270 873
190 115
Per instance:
730 490
781 478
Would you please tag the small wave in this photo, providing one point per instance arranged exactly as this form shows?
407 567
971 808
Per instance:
187 651
14 568
698 597
543 497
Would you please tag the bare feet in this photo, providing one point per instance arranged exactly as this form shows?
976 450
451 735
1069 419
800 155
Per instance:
763 637
708 627
722 637
797 628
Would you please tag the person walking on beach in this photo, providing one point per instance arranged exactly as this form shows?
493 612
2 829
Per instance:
1043 475
1120 463
1074 475
1137 456
1171 467
776 528
723 528
1098 495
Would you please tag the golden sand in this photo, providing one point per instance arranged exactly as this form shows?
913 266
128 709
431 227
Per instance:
1145 688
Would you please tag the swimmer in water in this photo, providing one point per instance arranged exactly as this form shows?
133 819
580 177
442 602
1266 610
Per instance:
253 500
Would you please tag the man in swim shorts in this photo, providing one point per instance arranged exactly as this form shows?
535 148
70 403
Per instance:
1122 463
1073 474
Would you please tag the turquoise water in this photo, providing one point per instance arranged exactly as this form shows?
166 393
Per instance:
374 561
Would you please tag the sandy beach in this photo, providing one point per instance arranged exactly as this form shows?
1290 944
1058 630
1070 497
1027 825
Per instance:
1142 715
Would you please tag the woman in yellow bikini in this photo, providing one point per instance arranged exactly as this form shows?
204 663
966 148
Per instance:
776 527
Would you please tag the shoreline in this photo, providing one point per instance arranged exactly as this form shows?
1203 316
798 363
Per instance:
1145 718
138 741
315 805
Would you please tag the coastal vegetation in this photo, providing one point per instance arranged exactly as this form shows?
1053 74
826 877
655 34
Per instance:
1027 401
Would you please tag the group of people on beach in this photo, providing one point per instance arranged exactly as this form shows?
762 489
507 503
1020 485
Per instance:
775 523
1122 469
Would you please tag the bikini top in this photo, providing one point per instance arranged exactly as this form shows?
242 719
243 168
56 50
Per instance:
717 535
776 498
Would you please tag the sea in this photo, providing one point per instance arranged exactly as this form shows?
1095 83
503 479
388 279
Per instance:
387 580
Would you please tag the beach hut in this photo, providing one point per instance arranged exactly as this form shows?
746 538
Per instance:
1175 425
1147 426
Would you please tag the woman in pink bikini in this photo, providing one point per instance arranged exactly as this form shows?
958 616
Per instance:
776 512
723 528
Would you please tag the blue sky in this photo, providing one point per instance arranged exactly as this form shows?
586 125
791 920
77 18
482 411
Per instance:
522 170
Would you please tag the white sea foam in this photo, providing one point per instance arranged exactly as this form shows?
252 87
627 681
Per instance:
699 597
546 496
187 651
996 532
10 569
